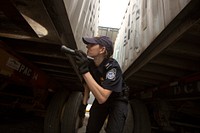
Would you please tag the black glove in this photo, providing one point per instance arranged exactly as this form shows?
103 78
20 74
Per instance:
81 113
82 110
82 61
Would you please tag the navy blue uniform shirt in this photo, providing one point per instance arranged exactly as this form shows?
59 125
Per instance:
108 74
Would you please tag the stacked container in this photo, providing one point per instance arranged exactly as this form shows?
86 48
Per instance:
143 21
84 18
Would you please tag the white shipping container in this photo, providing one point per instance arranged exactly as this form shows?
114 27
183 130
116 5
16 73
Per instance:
143 21
84 17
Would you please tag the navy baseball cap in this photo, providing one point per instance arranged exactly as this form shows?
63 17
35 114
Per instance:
101 40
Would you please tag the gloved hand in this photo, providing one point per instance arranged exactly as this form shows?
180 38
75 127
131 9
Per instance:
81 113
82 62
82 110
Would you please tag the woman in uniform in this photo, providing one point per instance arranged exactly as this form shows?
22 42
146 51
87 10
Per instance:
103 77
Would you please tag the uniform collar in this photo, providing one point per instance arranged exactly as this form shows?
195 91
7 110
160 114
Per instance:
105 64
101 67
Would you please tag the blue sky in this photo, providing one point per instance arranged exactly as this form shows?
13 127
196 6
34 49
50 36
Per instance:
112 12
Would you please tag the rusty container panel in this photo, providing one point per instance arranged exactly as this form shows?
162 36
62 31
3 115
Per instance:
83 17
143 21
19 71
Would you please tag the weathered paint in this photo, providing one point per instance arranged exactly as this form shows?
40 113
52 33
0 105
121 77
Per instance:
84 18
143 21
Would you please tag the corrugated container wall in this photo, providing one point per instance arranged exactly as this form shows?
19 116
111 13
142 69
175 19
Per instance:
143 21
84 18
108 31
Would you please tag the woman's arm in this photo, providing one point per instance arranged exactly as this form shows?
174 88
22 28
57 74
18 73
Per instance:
100 93
86 95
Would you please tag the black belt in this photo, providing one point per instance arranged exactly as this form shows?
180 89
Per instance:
119 96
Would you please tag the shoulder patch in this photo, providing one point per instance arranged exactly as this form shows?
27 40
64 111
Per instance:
111 74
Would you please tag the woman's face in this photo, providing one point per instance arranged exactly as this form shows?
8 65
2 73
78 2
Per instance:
94 50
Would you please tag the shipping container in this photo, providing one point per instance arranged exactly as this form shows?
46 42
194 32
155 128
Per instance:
109 32
158 50
157 47
34 74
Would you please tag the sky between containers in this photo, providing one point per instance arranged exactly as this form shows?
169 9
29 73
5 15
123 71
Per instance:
112 12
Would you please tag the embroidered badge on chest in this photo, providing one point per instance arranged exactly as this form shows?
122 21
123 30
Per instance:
111 74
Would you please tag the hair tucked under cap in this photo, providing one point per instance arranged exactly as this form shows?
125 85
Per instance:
103 41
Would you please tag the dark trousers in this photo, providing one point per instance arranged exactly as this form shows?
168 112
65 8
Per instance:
116 111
